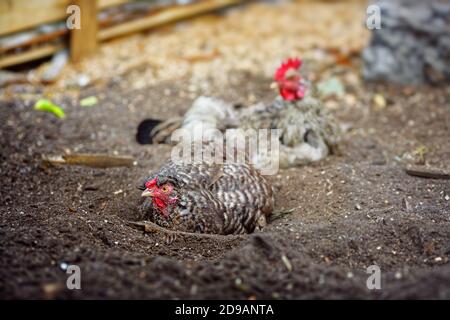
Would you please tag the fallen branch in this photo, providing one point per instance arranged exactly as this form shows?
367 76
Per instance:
150 227
8 77
33 54
280 214
427 172
33 38
166 16
89 160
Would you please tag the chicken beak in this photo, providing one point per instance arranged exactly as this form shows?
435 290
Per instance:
147 193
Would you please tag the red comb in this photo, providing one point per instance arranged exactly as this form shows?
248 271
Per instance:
295 64
290 83
151 183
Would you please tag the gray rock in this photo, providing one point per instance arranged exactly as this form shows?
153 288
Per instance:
413 46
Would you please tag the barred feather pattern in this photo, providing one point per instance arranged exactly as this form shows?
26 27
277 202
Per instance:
308 132
230 198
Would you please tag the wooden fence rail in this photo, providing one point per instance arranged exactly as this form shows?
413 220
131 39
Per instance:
17 15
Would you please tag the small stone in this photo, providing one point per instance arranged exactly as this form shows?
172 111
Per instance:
51 290
321 279
193 290
379 101
286 262
379 162
406 204
192 88
350 100
83 80
251 98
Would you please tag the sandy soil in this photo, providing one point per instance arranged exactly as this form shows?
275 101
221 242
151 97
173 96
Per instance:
357 208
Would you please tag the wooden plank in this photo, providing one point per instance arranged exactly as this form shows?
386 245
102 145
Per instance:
54 34
83 41
30 55
428 172
17 15
111 3
36 40
163 17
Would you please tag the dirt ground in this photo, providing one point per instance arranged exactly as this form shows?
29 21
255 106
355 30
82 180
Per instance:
355 209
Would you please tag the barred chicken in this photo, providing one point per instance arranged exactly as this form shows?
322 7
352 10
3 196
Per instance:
308 133
235 198
207 198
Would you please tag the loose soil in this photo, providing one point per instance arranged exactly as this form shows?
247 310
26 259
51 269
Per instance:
354 209
357 208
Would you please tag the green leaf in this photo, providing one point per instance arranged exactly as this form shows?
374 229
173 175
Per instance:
48 106
331 87
89 101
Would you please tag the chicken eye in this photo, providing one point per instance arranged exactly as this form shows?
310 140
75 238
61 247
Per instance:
165 188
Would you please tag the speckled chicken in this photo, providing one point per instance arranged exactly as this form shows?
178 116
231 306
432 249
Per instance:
235 198
207 198
308 133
